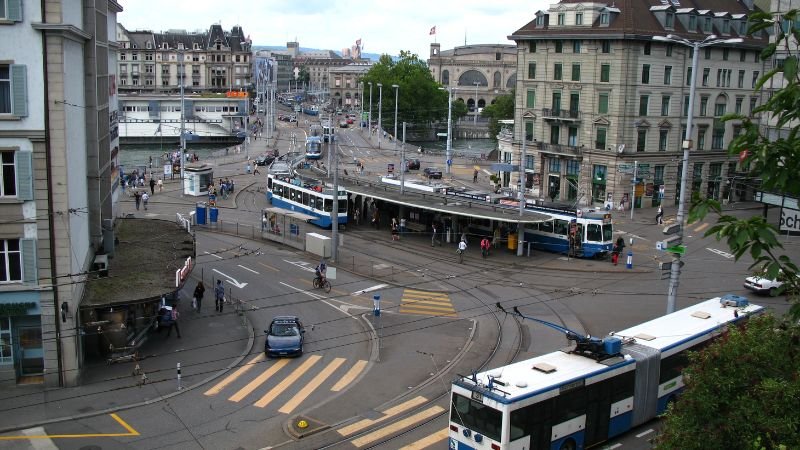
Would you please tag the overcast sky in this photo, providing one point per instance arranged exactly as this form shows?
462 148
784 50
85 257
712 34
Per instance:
383 26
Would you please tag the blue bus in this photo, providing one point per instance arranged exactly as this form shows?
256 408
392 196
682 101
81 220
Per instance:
310 198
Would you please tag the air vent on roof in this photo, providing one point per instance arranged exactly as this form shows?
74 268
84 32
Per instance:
701 315
644 337
544 367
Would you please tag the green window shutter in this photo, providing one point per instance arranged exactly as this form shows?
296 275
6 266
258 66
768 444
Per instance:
25 175
29 269
14 11
19 91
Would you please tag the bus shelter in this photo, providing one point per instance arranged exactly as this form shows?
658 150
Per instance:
198 179
285 226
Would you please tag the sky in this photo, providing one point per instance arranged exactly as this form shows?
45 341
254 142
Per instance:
383 26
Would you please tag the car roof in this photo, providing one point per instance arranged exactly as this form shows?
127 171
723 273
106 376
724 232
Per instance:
285 319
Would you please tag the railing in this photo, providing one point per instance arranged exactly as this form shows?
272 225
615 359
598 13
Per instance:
561 114
558 148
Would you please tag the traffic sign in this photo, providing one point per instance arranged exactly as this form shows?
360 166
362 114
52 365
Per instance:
449 162
441 134
678 249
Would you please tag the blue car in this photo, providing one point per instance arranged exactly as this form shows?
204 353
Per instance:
284 337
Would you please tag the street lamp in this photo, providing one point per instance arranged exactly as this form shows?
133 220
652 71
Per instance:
369 125
675 271
396 92
475 118
449 153
380 110
181 74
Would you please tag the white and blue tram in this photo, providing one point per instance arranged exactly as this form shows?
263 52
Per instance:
583 233
313 147
574 400
313 199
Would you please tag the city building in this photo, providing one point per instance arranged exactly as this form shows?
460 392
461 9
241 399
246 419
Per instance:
284 75
215 60
478 73
596 97
345 88
59 189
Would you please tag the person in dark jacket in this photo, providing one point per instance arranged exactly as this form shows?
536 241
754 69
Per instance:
199 290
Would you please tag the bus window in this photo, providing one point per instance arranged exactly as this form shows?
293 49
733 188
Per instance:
305 198
608 232
328 205
342 206
546 227
593 232
561 226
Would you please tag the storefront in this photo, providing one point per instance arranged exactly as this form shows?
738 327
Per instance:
599 176
21 350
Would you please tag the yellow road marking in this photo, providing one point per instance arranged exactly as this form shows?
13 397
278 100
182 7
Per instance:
311 386
245 391
389 413
702 227
232 377
269 267
427 441
426 293
397 426
283 385
350 375
131 432
427 312
424 303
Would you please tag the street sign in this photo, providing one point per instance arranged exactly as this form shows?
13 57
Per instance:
678 249
441 134
625 168
504 167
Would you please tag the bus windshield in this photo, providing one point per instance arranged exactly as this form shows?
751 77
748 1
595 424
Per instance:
476 416
608 232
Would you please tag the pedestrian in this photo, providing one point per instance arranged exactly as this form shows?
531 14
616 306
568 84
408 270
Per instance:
172 322
375 218
273 219
160 185
199 290
152 186
433 235
145 198
618 247
137 197
462 248
255 170
475 176
403 225
395 231
151 161
660 216
357 215
264 221
496 237
219 296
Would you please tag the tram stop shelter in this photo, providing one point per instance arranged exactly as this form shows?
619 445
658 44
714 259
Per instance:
286 226
198 177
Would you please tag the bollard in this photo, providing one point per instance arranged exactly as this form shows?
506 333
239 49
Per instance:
179 377
376 305
629 264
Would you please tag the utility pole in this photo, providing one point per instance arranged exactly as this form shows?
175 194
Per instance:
403 162
633 185
449 152
183 124
522 176
380 110
335 205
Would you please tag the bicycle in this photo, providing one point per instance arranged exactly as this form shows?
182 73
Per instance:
318 283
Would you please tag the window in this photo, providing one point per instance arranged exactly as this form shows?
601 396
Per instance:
726 26
572 136
606 47
725 53
8 188
528 131
10 260
669 49
685 105
706 73
717 138
532 46
667 75
604 18
692 23
719 108
561 18
576 72
573 167
701 138
704 105
530 99
719 77
708 53
643 103
123 56
688 76
600 139
707 25
13 90
148 56
532 70
540 20
559 46
557 71
578 18
605 73
739 101
646 74
753 102
756 56
576 46
662 140
665 105
555 131
740 84
755 79
602 103
647 48
641 139
670 21
134 56
554 165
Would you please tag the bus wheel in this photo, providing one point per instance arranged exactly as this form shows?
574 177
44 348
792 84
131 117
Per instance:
569 444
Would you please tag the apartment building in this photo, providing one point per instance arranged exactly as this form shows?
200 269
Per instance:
345 88
58 186
596 96
214 60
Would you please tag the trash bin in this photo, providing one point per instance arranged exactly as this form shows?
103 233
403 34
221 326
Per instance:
200 213
512 241
213 214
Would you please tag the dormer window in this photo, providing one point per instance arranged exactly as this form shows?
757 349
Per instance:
578 18
540 20
604 18
164 46
561 18
669 21
180 45
692 23
726 26
707 25
148 45
743 27
196 46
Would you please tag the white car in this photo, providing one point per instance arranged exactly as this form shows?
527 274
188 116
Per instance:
761 285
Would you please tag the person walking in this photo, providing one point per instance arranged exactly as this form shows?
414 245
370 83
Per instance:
264 221
199 290
137 197
462 248
485 245
219 296
475 176
618 248
433 235
357 215
152 186
402 225
145 198
660 216
173 321
160 184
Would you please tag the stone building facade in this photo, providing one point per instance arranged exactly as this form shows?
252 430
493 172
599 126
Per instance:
596 96
346 91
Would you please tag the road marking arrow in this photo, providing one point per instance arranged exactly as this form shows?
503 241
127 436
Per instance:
370 289
231 279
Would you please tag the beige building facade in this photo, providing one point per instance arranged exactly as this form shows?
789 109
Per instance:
346 90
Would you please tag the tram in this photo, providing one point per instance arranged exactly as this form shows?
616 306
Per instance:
313 147
313 199
582 233
601 388
311 110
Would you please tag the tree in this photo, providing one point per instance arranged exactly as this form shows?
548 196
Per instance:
501 109
742 392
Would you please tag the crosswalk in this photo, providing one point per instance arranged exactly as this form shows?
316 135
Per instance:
426 303
250 382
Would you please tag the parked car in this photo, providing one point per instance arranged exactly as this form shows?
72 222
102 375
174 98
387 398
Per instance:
284 337
265 160
432 173
350 120
412 164
761 285
342 124
292 118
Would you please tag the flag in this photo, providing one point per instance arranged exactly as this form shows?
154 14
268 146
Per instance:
358 42
433 30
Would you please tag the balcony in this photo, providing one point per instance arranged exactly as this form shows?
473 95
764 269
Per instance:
560 149
561 114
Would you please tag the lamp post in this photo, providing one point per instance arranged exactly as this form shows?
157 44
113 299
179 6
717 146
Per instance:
449 153
361 103
369 125
675 271
183 122
380 110
396 92
475 118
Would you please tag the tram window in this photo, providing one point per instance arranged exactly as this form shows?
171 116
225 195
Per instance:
305 198
269 183
561 226
278 190
608 232
319 203
593 232
328 205
546 227
342 206
295 197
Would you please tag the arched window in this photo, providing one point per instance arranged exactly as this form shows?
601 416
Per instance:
511 83
446 77
470 77
496 81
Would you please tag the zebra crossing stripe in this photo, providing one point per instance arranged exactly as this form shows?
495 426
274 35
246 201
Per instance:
389 413
311 386
217 388
286 382
258 381
350 375
427 441
397 426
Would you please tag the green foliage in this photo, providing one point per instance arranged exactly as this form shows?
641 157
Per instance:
741 392
419 99
501 109
303 76
459 109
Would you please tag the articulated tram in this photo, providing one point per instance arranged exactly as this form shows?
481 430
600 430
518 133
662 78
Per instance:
583 233
313 199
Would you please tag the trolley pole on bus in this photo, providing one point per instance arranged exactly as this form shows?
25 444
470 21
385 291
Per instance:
335 205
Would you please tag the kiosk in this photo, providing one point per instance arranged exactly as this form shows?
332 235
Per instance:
198 178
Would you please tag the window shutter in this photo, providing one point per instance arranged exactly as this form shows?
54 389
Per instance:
29 269
25 175
14 10
19 91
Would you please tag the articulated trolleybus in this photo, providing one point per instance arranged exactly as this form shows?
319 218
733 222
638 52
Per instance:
313 199
591 231
574 399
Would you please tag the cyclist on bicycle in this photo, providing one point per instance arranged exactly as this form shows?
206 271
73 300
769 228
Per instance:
320 271
462 247
485 244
